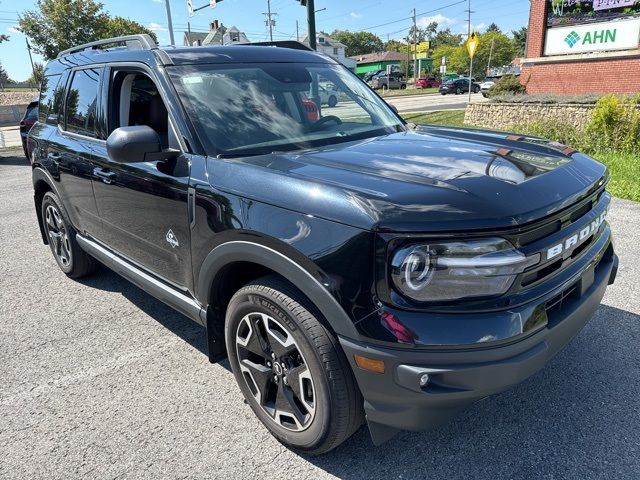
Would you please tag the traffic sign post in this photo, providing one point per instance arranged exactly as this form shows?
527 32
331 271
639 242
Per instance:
472 45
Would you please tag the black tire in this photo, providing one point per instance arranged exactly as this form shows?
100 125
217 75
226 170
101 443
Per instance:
458 91
476 90
273 308
403 86
333 101
71 259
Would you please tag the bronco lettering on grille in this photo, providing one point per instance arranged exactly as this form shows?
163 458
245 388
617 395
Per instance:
577 239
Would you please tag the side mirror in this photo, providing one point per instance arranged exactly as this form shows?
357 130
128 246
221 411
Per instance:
138 143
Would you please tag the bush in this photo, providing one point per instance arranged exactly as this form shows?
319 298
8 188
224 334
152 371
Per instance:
507 84
615 125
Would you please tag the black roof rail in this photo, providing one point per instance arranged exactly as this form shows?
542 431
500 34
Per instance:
143 42
280 43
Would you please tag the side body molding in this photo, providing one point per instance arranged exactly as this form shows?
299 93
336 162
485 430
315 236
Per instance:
242 251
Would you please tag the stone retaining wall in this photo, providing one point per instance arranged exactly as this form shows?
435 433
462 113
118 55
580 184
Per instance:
506 115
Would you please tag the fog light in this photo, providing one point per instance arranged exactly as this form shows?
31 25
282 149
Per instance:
424 380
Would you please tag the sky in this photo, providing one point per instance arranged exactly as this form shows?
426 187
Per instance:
387 19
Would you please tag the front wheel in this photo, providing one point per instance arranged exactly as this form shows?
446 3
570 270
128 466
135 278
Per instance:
290 368
458 91
333 101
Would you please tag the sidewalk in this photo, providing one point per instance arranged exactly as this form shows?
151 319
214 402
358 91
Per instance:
10 137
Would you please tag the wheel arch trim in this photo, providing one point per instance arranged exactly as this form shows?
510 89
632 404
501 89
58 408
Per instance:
39 174
244 251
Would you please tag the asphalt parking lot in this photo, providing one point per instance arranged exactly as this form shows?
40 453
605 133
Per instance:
100 380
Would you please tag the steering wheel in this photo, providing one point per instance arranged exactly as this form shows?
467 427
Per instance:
323 120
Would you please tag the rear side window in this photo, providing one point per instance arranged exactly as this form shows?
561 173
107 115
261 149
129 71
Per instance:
81 109
32 112
48 91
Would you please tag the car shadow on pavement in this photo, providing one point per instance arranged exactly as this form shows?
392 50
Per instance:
577 418
12 158
180 325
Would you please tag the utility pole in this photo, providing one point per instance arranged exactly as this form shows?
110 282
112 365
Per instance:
169 22
408 55
311 20
33 68
468 37
415 46
270 23
297 32
493 43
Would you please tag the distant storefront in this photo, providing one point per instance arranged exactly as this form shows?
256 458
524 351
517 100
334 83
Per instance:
583 47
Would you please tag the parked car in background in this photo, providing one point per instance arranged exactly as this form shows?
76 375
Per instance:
487 84
328 95
392 81
458 86
369 75
429 82
30 117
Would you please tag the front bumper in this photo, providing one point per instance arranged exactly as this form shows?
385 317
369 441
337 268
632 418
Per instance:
394 400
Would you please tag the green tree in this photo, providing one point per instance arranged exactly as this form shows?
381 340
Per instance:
494 28
4 76
37 75
56 25
446 38
520 41
395 46
119 26
358 43
504 51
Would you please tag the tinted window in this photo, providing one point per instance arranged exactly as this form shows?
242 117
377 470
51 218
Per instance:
82 102
47 95
32 112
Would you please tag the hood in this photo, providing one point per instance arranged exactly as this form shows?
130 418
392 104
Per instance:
428 179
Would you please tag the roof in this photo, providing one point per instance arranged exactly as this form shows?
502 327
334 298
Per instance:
213 54
328 41
379 57
192 37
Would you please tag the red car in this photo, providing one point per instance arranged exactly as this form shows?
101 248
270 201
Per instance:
430 82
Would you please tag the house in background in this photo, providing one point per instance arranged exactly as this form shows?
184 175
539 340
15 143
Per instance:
325 44
373 62
218 35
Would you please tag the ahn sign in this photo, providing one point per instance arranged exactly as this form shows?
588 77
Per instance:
593 37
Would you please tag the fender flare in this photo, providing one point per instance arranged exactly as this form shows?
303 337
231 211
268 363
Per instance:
244 251
39 174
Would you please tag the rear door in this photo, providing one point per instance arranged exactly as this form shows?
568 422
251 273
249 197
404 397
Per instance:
77 145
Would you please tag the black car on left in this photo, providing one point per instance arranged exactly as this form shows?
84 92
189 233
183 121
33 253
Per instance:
458 86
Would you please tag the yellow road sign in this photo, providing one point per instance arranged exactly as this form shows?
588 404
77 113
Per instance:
472 44
423 47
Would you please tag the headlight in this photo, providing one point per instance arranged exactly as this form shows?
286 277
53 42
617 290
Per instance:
444 271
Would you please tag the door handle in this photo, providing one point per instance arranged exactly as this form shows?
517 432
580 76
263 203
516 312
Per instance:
106 176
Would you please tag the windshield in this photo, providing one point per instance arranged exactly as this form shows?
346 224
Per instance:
251 109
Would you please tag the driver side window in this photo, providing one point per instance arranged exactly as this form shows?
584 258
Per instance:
135 100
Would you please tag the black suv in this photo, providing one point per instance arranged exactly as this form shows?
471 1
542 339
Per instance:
348 263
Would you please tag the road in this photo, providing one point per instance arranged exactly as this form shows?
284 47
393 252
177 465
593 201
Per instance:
428 103
100 380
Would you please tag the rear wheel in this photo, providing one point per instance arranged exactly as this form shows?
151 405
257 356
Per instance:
333 101
71 259
290 368
458 91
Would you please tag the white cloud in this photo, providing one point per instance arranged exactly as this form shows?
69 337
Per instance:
13 29
355 15
158 1
156 27
440 19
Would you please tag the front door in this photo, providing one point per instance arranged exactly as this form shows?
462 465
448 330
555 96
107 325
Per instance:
143 205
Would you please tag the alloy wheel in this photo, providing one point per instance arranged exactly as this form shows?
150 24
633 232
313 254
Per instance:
58 235
275 371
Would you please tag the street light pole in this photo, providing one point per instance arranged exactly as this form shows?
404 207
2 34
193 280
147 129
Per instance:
169 22
471 64
311 20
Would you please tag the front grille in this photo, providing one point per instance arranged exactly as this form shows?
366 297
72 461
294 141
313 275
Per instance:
541 238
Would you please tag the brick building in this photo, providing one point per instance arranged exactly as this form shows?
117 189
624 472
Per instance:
583 47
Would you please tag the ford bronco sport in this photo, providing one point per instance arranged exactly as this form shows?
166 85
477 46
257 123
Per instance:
350 265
